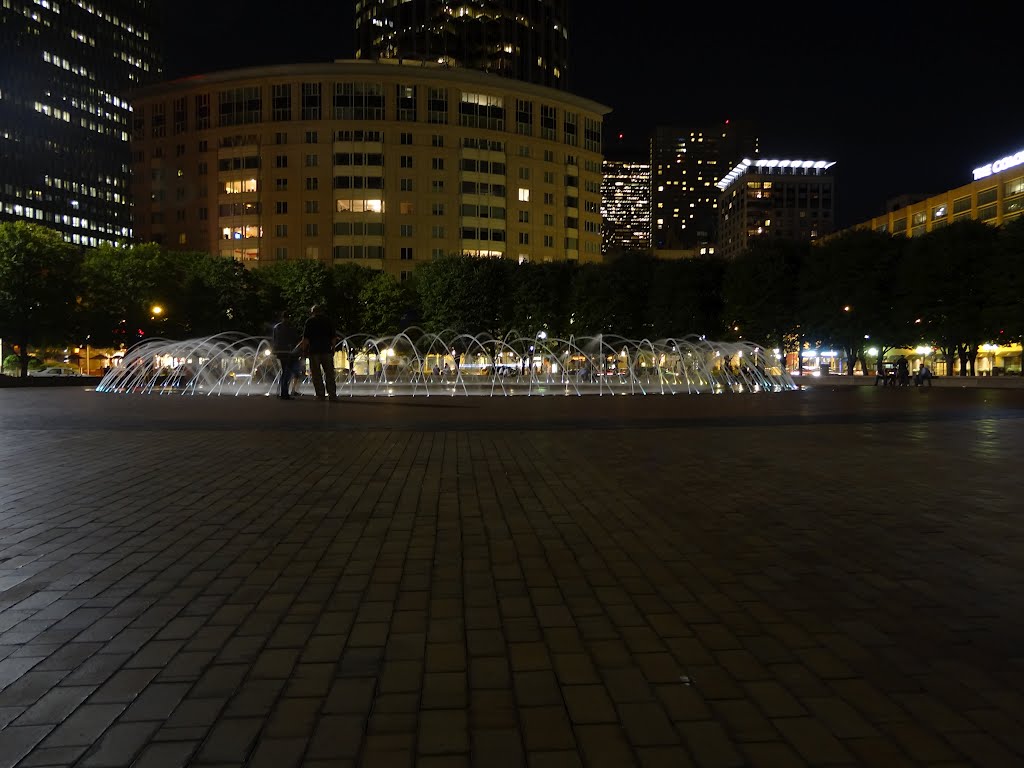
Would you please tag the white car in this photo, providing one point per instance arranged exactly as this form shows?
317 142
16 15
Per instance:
55 371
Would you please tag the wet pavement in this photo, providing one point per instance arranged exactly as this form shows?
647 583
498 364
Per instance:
830 577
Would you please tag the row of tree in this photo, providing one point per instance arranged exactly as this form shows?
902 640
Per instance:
956 287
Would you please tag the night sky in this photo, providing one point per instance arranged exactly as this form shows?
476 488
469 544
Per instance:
905 100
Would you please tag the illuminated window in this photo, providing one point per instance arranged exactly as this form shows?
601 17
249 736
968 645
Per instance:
406 100
360 206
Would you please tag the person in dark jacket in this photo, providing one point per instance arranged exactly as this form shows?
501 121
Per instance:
318 340
903 372
284 339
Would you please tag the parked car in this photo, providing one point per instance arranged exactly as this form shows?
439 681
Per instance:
55 370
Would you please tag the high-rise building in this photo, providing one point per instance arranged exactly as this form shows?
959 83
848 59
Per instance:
65 69
387 166
625 206
524 39
788 199
686 164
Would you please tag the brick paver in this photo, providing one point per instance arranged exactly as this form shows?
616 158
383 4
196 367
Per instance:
830 577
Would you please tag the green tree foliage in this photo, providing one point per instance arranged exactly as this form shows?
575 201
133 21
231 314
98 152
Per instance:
540 298
959 286
1007 285
953 267
216 294
39 276
465 294
685 298
347 296
591 301
629 293
761 292
120 287
848 294
383 304
295 286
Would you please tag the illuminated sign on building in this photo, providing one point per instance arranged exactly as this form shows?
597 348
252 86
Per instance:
999 165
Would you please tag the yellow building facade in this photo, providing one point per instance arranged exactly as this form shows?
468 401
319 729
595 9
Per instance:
381 164
995 197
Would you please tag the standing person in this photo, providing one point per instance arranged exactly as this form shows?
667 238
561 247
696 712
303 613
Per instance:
284 339
318 340
902 372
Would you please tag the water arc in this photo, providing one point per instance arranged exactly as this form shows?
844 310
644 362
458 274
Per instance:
418 363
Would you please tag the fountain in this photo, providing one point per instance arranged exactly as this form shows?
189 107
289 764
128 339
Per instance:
420 364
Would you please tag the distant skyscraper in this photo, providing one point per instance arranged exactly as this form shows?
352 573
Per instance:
524 39
626 206
686 164
781 199
65 69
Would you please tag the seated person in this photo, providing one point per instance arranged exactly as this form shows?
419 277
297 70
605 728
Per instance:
924 374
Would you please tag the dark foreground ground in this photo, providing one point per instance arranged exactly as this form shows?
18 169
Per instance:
832 577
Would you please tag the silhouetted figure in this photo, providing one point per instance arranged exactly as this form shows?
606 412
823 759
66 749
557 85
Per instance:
902 372
284 339
318 339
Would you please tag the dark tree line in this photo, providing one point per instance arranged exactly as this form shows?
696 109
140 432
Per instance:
956 287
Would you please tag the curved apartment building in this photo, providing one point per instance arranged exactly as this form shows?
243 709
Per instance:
382 164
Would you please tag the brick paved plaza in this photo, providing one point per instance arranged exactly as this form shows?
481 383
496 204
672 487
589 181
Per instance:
832 577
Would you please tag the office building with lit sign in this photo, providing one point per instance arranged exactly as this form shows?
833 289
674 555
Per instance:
995 196
382 164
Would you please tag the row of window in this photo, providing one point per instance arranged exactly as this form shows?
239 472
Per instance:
353 158
962 206
364 101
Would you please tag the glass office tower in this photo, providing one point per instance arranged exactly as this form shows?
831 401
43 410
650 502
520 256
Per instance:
66 67
523 39
625 206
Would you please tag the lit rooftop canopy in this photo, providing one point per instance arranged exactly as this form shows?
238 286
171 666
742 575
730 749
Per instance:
742 167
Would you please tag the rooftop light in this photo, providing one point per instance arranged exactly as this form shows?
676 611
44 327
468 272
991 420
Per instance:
745 164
